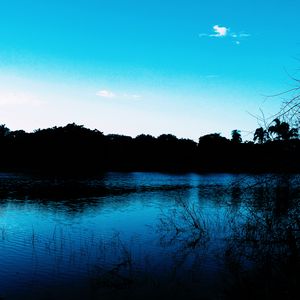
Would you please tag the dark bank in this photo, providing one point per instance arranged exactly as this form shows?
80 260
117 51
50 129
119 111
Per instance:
75 149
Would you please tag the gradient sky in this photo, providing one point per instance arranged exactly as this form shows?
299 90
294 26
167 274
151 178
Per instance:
132 66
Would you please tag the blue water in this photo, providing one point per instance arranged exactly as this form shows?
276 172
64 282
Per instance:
121 242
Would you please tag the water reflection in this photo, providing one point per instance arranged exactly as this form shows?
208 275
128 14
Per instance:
149 234
262 254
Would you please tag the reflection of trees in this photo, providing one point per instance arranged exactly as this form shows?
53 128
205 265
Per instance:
261 249
184 232
184 224
262 254
258 247
257 251
75 195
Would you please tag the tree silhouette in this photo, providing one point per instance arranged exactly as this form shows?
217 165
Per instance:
236 136
261 135
4 131
76 149
282 130
213 139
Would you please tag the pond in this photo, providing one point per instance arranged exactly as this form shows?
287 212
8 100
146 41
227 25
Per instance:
144 235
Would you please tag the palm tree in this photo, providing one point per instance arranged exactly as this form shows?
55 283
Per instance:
261 135
282 130
275 129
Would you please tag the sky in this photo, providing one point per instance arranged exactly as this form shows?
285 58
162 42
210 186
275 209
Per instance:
183 67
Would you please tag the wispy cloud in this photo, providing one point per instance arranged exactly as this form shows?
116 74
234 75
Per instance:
110 94
244 35
131 96
223 31
106 94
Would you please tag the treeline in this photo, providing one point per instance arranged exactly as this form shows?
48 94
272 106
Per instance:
76 149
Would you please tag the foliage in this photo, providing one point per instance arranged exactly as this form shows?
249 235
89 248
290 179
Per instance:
261 135
236 136
282 130
76 149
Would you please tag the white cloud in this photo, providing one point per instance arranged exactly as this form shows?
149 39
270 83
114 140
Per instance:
220 31
105 94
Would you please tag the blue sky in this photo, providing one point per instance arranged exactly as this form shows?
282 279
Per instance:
129 67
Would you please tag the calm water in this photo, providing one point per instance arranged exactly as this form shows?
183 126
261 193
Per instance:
135 234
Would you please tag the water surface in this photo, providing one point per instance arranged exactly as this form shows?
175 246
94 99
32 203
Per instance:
130 235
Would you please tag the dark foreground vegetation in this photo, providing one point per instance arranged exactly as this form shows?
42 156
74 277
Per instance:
74 148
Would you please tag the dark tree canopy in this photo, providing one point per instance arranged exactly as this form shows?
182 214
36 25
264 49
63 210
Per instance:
213 138
281 130
4 131
236 136
261 135
76 149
